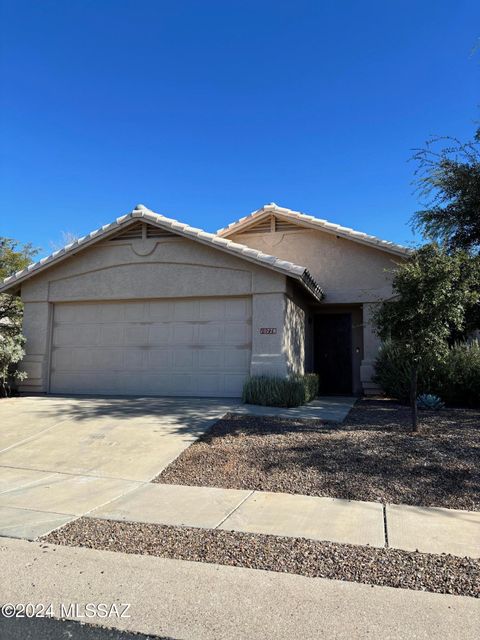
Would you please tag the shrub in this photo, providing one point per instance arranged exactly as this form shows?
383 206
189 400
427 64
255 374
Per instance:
280 392
455 378
311 382
393 371
460 375
11 352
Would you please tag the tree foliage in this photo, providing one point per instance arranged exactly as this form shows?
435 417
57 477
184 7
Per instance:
431 292
13 257
448 181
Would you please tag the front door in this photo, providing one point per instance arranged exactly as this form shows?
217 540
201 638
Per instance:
333 352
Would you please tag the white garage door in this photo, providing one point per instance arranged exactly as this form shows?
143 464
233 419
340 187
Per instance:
195 347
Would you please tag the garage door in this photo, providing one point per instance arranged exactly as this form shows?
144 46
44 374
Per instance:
195 347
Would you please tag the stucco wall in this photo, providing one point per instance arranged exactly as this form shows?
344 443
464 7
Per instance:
126 270
268 355
347 271
174 268
294 337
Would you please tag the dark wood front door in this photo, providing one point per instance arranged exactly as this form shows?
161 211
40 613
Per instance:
333 352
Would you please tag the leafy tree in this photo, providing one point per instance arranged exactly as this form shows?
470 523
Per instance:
448 180
13 257
432 291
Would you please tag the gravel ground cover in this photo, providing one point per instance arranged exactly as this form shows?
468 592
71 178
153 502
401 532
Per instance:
371 456
383 567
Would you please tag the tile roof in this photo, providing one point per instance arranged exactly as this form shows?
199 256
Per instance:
311 221
143 213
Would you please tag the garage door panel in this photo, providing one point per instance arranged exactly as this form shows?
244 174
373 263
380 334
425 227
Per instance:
184 333
108 359
159 347
238 309
211 359
76 313
135 312
237 333
159 311
209 384
135 335
237 359
211 333
184 359
82 383
112 335
213 310
159 360
113 312
82 359
186 310
160 334
76 335
136 360
233 384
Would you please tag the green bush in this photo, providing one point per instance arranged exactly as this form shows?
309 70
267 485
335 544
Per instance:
456 378
392 372
280 392
11 353
460 375
310 381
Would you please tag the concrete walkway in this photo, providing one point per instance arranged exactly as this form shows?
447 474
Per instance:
330 408
178 599
424 529
61 457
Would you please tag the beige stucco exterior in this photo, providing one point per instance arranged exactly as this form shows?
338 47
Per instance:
255 267
354 277
349 272
172 268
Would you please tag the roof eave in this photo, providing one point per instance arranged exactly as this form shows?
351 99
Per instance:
310 222
13 283
310 284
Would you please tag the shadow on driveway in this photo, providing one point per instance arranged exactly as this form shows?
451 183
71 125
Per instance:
53 629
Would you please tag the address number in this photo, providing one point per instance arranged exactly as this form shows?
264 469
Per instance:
268 330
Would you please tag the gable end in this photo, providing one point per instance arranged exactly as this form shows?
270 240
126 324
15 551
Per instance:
271 224
142 231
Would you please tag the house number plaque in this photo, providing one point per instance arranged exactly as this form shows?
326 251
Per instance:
268 330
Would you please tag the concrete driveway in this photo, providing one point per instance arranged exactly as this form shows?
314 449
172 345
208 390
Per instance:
61 457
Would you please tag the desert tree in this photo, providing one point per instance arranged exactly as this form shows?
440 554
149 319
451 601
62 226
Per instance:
432 291
448 183
13 257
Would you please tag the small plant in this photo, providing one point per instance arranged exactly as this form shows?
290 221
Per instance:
280 392
311 382
429 401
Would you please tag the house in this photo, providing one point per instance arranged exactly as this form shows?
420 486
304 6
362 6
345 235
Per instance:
147 305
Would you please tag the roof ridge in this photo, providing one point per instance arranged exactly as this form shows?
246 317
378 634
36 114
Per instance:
142 212
320 223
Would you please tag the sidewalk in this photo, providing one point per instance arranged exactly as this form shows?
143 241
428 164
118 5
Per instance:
427 529
179 599
328 408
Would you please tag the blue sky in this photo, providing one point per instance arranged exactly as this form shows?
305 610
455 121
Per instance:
206 110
